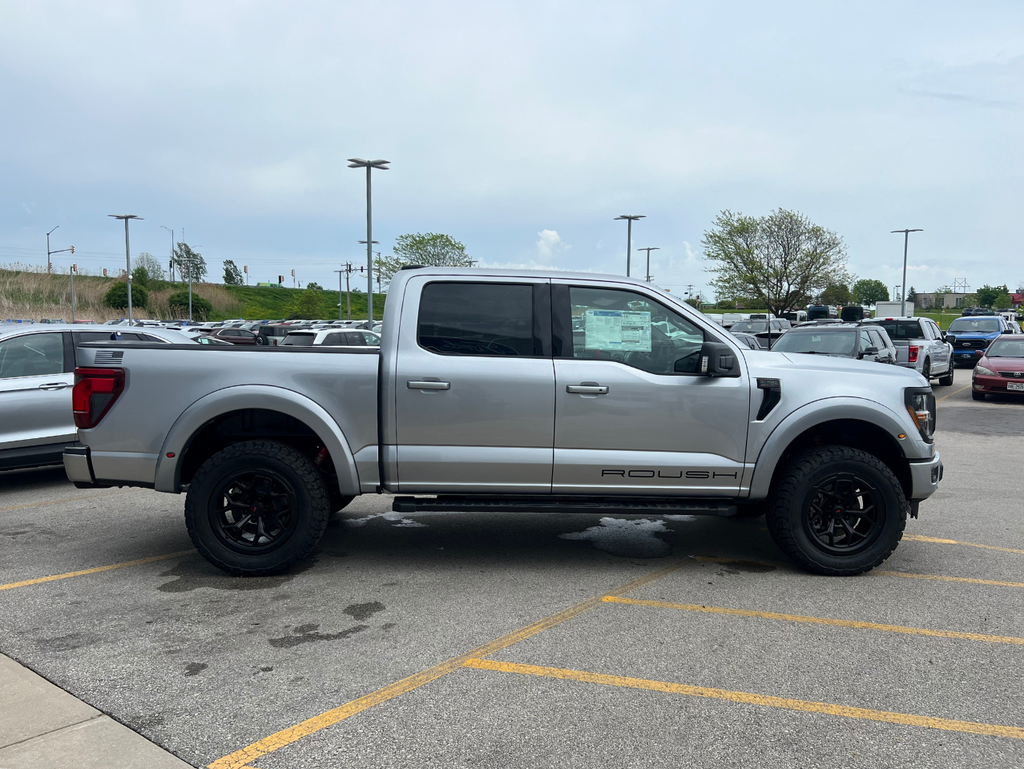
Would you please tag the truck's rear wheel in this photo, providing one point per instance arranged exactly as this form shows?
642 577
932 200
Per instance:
256 508
837 511
946 380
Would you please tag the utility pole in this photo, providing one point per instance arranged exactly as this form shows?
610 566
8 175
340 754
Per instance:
347 272
903 292
127 257
648 250
380 165
630 218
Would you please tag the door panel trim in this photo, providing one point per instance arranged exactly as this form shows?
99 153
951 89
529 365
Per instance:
646 472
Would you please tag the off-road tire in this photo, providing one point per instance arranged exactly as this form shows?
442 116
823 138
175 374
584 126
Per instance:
788 516
947 379
287 467
977 396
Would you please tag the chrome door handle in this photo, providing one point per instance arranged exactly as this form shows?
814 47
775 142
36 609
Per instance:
414 385
587 389
54 386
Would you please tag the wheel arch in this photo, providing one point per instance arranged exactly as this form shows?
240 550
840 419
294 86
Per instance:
865 426
249 412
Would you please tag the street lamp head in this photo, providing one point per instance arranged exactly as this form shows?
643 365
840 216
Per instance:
372 241
631 217
380 165
124 216
906 231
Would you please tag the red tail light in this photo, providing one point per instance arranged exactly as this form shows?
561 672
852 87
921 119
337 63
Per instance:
914 350
95 391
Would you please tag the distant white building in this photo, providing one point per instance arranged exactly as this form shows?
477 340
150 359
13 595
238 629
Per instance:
950 301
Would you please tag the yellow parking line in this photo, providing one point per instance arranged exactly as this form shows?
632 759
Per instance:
57 501
919 538
818 620
942 578
805 706
950 395
94 570
240 758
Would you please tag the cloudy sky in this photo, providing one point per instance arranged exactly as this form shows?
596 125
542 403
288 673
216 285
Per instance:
521 129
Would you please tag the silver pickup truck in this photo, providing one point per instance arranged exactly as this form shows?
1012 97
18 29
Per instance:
920 345
508 391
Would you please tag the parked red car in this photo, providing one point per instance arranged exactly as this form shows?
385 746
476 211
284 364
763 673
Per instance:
1001 368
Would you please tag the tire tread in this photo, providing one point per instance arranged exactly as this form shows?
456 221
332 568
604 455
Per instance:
789 492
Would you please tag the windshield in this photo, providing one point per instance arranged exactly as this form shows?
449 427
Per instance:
973 326
824 343
1006 348
902 329
749 326
299 340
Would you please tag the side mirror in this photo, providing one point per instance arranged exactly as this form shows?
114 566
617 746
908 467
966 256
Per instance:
869 351
979 353
717 359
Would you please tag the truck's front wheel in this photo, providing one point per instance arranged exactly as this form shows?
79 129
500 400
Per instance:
837 511
256 508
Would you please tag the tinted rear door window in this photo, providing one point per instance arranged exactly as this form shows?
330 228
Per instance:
477 319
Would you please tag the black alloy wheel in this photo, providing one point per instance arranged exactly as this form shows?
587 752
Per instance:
256 508
843 515
253 511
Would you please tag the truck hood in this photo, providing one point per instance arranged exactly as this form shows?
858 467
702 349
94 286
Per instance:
968 336
844 376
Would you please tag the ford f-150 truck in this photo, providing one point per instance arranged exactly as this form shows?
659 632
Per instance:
508 391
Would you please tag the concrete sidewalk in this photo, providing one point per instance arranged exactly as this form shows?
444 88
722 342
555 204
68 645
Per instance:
44 727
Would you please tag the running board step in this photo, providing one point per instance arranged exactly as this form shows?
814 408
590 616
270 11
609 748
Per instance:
567 504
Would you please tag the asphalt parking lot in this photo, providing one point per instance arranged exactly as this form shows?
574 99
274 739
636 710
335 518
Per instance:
538 640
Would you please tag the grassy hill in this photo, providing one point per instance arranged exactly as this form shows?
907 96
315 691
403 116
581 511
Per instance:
34 295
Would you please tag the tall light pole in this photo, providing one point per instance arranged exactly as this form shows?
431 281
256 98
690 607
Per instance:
903 288
170 262
127 257
369 165
630 218
648 250
48 251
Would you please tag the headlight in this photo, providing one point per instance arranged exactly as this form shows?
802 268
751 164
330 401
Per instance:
920 403
979 369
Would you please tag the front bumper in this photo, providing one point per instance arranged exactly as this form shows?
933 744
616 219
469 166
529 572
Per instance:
924 477
996 384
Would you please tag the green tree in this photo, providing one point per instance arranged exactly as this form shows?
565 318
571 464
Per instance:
1002 301
117 296
140 277
152 265
987 294
178 301
836 294
869 292
189 262
310 305
232 275
431 249
386 267
315 286
911 296
776 259
969 300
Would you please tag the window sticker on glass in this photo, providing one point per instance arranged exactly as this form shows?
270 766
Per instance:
618 330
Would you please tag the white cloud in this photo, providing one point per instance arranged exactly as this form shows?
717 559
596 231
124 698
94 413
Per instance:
550 245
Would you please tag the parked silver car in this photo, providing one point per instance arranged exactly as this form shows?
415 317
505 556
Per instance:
37 372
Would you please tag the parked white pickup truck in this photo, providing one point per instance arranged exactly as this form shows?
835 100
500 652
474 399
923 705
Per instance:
510 391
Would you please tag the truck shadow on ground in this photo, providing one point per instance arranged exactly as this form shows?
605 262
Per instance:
39 477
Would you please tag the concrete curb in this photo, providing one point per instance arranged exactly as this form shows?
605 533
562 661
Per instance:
44 727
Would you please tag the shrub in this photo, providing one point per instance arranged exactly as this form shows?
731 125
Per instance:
178 303
117 296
